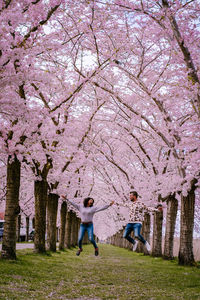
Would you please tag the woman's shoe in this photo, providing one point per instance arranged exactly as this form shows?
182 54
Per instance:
79 252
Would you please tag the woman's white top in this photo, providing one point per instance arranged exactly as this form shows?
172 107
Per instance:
87 213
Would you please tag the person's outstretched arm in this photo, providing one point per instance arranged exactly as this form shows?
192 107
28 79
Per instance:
97 209
123 204
77 206
153 209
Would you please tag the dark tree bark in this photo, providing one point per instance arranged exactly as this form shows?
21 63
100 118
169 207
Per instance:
73 230
18 227
77 230
63 216
145 233
186 256
12 208
27 229
68 229
52 208
157 234
172 206
40 190
33 222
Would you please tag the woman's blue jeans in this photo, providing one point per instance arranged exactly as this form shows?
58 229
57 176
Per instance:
136 228
89 228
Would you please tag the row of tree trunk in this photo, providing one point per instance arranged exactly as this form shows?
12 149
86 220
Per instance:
186 256
25 238
70 223
46 207
69 227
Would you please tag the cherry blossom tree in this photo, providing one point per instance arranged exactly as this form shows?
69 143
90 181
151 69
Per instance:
93 100
21 22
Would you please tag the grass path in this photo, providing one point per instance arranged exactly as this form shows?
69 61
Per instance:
115 274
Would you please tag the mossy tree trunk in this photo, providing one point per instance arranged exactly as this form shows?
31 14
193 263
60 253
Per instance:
73 230
52 208
63 216
68 229
186 256
27 228
33 222
157 234
12 208
172 206
18 227
77 230
40 191
145 233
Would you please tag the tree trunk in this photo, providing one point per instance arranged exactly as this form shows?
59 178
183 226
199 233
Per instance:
186 256
27 229
18 227
157 234
77 229
40 191
172 206
68 229
52 207
145 233
73 230
33 222
63 215
12 209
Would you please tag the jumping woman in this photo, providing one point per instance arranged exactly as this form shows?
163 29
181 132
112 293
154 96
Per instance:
87 211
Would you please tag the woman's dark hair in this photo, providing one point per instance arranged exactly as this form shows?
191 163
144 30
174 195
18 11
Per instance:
86 200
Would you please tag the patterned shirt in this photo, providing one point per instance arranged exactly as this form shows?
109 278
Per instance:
137 211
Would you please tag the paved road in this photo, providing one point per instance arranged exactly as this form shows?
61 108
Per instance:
22 246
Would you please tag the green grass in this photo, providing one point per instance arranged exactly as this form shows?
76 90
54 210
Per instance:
115 274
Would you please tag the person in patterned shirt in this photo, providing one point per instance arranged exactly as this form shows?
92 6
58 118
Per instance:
136 217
